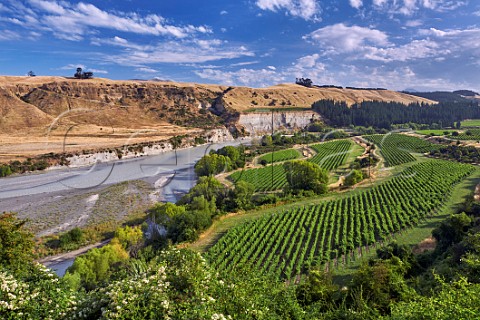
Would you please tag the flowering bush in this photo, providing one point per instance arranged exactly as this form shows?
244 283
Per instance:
40 296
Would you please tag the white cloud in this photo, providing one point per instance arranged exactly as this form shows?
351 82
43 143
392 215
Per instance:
306 9
413 23
417 49
247 77
6 35
246 63
72 66
477 13
339 38
409 7
72 21
180 51
223 12
146 70
272 68
98 71
356 3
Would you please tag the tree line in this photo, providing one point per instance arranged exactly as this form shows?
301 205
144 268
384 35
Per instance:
385 114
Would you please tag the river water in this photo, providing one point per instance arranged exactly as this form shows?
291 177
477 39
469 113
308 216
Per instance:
171 173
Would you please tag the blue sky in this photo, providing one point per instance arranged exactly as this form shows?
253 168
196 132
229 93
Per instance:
397 44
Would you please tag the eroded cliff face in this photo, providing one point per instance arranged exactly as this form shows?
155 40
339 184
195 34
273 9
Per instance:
258 123
126 103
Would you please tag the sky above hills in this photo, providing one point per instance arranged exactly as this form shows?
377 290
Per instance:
397 44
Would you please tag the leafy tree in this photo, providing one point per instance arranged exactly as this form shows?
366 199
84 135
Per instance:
210 188
304 175
78 74
306 82
452 230
381 283
235 154
267 141
318 288
164 212
129 236
212 164
71 238
242 194
353 178
97 265
16 244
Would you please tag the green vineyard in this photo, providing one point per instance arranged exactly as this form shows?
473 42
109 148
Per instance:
396 148
283 155
330 155
471 134
286 243
261 178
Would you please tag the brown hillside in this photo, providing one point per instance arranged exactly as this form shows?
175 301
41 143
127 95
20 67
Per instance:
37 113
292 95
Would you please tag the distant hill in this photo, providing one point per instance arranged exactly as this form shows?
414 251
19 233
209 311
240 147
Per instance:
447 96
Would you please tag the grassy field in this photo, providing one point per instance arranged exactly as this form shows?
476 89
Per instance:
439 132
471 123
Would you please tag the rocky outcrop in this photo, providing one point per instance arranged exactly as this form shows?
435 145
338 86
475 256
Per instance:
258 123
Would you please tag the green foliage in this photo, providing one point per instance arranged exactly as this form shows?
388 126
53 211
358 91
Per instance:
457 300
267 141
235 154
210 188
5 170
97 265
303 175
329 155
164 212
16 244
354 177
212 164
452 230
318 288
241 195
129 236
71 239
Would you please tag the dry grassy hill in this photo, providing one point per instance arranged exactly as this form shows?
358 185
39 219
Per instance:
296 96
39 114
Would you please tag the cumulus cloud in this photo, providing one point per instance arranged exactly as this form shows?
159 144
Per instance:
305 9
72 21
342 38
247 77
356 3
183 51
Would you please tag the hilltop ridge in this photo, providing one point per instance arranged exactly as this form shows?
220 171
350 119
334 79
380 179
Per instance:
36 113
